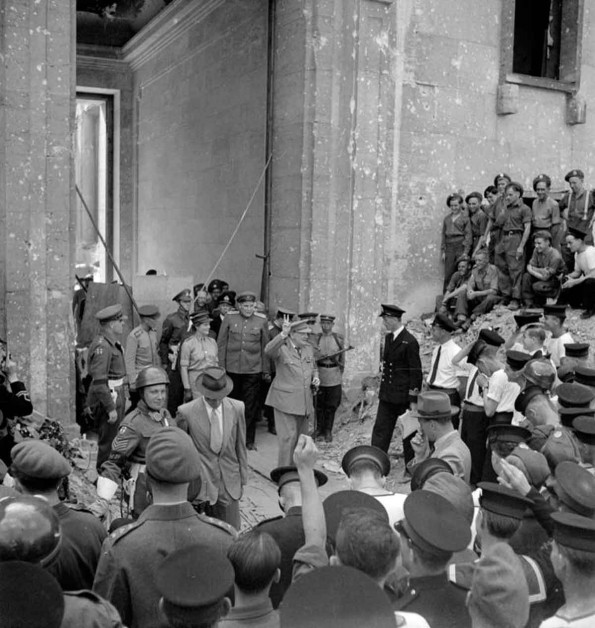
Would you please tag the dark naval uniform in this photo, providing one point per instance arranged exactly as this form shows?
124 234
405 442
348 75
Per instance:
106 393
173 332
128 452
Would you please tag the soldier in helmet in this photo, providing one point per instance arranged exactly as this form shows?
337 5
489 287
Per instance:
127 457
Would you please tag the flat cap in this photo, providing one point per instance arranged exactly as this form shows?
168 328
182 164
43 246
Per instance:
490 337
172 457
503 501
336 597
525 317
554 310
193 581
532 463
434 524
517 359
183 295
336 504
567 415
366 452
36 459
109 313
574 395
327 318
576 172
391 310
584 428
246 296
285 475
508 433
574 531
426 469
575 488
444 322
577 349
584 375
149 311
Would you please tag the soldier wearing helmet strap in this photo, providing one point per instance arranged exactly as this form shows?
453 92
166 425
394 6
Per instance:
127 457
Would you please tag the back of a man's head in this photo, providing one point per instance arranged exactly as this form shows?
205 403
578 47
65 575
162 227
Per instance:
366 541
256 559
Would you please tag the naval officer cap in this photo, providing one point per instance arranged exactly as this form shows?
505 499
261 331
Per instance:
172 457
443 322
573 395
491 337
525 317
148 311
584 375
574 173
517 359
109 313
391 310
503 501
426 469
555 310
370 453
584 428
574 531
574 487
342 502
567 415
288 474
504 433
577 349
36 459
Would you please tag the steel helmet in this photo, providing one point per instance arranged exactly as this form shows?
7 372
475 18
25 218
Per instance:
542 373
151 376
29 530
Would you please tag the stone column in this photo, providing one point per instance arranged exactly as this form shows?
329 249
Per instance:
37 89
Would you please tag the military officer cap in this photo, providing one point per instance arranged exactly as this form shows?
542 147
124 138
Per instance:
172 457
584 375
455 490
542 178
584 428
574 173
18 579
285 475
229 297
567 415
284 312
525 397
309 317
246 296
366 452
301 326
574 395
327 318
577 233
36 459
215 284
574 487
517 359
574 531
391 310
490 337
532 463
444 322
524 317
502 501
109 313
554 310
337 504
193 582
433 524
504 433
501 175
183 295
577 349
429 467
148 311
336 597
200 316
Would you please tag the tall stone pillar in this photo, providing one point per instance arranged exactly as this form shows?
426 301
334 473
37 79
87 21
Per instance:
332 168
37 89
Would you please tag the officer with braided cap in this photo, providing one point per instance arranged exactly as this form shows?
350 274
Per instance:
127 457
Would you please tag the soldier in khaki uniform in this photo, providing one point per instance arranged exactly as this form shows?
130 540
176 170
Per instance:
106 398
242 338
141 349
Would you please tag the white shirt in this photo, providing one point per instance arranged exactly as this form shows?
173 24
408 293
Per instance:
473 395
586 621
555 347
398 331
215 414
585 261
503 391
446 373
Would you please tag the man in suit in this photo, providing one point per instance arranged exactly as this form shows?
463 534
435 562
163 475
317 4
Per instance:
401 372
291 393
218 429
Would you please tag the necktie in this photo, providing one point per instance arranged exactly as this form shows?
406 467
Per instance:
472 385
216 435
435 366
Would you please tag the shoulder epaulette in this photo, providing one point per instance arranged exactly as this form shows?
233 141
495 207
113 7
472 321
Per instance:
219 524
138 331
122 531
260 315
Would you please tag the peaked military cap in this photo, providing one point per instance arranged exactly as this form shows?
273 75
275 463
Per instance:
491 337
366 452
508 433
517 359
391 310
567 415
200 316
148 311
246 296
554 310
444 322
327 318
426 469
574 395
183 295
575 488
584 428
302 326
283 312
309 317
574 173
574 531
503 501
37 459
337 504
524 317
109 313
577 349
285 475
584 375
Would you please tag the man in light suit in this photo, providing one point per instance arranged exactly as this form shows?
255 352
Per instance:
290 393
217 426
401 372
435 413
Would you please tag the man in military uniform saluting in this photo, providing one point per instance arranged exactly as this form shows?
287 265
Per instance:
242 338
175 328
106 398
141 349
401 372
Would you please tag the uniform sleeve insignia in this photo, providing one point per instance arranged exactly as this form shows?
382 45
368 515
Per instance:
98 351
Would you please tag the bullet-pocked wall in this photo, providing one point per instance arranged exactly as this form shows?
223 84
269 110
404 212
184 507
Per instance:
200 88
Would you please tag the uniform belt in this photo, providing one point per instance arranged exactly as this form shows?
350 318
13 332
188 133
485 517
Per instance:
328 365
441 388
511 232
473 407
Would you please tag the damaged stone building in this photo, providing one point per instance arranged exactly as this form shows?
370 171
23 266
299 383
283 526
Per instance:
367 113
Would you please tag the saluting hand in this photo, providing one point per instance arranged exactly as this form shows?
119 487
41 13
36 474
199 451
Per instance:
286 327
513 478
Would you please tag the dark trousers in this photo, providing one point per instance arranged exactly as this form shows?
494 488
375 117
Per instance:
510 268
175 391
582 295
386 419
536 291
453 250
328 400
488 474
106 432
473 432
228 512
483 305
246 388
455 401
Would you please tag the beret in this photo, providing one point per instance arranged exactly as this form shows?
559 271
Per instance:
574 173
508 433
525 317
576 232
444 322
517 359
554 310
37 459
172 457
